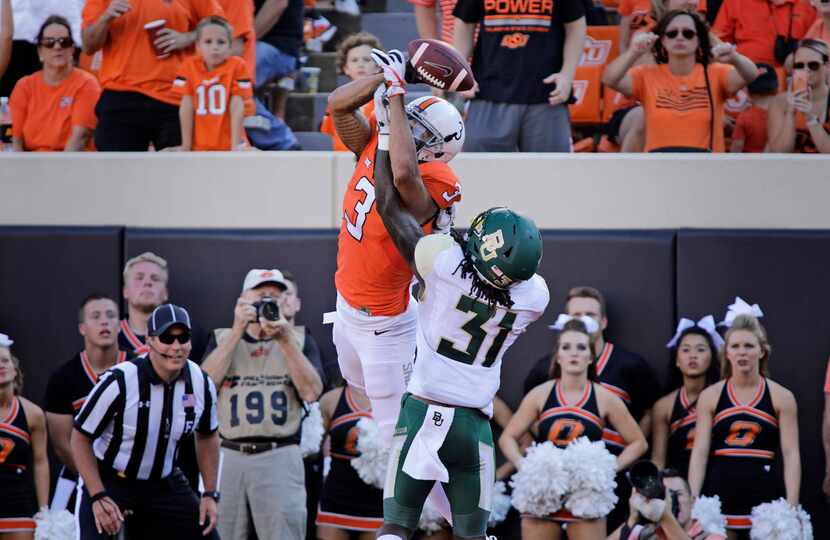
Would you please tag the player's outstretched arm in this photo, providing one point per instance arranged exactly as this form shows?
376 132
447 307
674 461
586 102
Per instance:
402 226
406 176
345 103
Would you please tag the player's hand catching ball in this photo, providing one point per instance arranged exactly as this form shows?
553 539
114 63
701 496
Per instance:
393 64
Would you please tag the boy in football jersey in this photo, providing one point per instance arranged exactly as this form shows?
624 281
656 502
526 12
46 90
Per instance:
374 323
214 87
478 293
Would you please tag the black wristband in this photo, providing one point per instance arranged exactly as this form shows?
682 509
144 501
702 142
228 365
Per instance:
98 496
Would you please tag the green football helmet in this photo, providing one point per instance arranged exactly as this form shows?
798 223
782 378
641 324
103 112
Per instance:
504 247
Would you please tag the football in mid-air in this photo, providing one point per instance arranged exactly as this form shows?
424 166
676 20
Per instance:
438 64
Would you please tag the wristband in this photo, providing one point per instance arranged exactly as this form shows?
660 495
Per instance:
98 496
812 121
383 142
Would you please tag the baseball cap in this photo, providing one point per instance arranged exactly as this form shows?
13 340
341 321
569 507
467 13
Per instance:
257 277
165 316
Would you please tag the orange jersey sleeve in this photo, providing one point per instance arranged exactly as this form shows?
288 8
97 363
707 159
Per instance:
441 182
211 92
44 115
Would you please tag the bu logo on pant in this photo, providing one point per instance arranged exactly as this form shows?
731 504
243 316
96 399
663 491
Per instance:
437 419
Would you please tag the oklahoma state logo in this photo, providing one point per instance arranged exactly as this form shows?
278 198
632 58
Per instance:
738 102
595 52
514 41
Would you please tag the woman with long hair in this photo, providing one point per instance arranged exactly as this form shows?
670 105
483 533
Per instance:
801 123
694 366
569 406
742 422
53 110
24 465
687 86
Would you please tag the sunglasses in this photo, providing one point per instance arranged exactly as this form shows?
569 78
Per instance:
813 65
63 42
168 339
687 33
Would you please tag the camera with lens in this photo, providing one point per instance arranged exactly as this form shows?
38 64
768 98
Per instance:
268 309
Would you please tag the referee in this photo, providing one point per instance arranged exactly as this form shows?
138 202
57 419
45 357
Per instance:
126 435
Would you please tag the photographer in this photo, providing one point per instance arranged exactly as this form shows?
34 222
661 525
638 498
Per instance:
668 518
263 377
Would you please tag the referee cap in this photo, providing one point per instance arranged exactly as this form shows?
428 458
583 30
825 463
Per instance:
165 316
257 277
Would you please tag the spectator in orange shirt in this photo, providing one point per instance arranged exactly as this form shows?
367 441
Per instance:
354 59
685 88
214 86
240 15
138 106
6 33
764 30
821 28
801 123
54 109
750 133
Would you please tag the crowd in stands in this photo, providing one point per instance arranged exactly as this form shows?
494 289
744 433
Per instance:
633 76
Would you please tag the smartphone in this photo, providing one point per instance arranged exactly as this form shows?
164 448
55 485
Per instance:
800 82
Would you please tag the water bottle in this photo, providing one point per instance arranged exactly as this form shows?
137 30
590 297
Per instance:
5 125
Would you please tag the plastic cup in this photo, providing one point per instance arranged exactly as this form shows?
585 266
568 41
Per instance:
153 28
311 79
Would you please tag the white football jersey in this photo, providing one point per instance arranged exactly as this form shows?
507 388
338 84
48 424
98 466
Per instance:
460 341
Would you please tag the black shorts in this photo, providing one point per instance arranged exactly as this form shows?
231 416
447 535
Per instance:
130 121
18 503
612 128
742 483
346 502
166 508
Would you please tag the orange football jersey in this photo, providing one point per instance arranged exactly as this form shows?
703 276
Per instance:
371 274
211 92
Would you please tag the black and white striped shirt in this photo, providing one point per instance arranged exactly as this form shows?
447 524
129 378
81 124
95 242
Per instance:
137 420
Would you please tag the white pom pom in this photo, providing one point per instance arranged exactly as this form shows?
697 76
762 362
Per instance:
591 469
775 520
707 512
541 482
431 520
54 525
374 454
312 432
806 524
501 504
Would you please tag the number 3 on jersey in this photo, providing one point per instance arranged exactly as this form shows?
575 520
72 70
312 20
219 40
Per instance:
361 209
475 329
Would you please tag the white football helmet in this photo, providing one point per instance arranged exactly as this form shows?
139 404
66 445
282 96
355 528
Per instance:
437 128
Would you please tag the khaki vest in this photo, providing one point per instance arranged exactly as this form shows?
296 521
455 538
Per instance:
257 397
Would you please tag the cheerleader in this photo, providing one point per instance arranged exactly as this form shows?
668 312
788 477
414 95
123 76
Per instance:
741 422
693 368
570 406
347 504
24 466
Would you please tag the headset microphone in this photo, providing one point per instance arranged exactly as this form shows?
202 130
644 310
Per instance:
158 352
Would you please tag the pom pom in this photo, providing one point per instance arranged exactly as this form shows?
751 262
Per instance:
541 482
806 524
591 470
777 520
431 520
374 454
707 512
501 504
54 525
312 431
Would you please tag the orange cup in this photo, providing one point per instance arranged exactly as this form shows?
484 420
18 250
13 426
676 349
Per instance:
153 28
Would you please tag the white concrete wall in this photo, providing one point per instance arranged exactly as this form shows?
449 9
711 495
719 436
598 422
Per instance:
304 189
